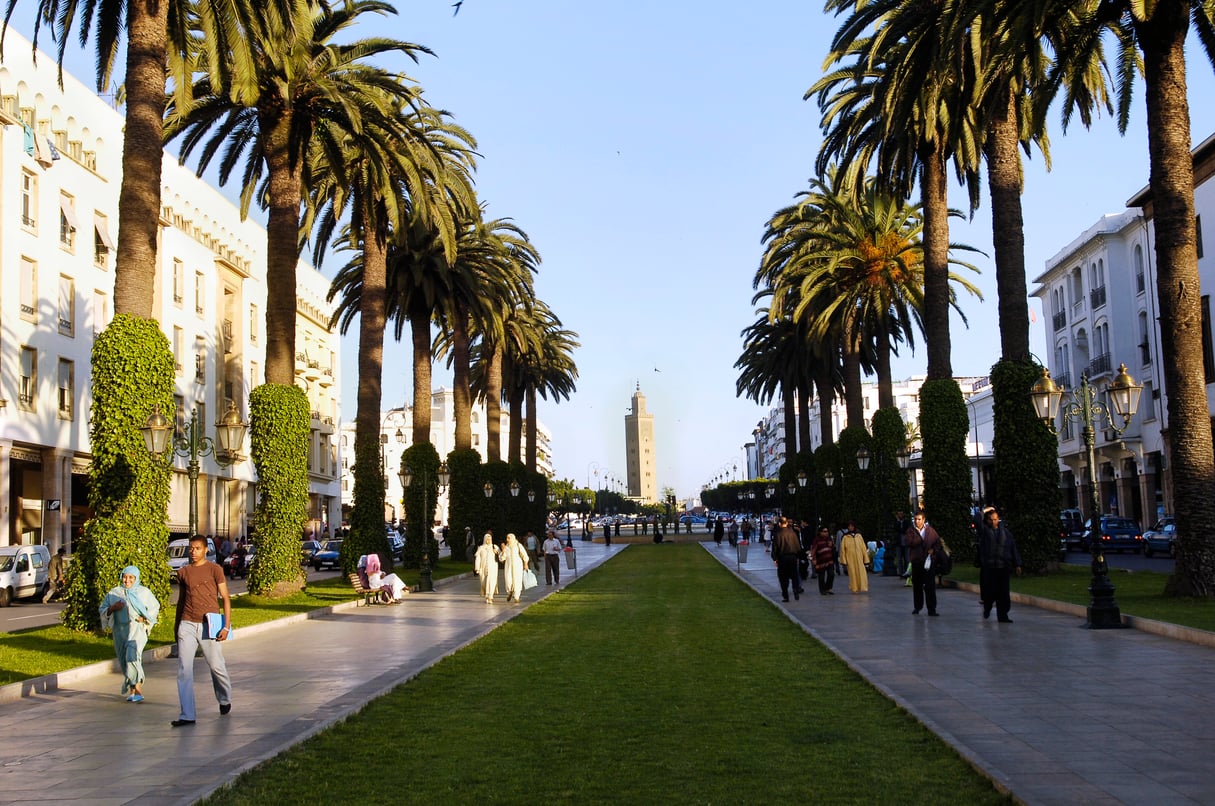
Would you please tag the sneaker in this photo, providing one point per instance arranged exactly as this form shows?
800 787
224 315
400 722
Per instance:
181 723
224 708
135 698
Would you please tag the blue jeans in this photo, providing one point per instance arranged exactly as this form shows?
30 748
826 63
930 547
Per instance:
189 640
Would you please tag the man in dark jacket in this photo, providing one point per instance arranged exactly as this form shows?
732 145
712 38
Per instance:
785 550
922 542
998 556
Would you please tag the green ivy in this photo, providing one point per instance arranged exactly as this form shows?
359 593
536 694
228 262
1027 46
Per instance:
1027 465
421 498
367 534
856 487
943 428
132 371
279 423
890 480
830 498
466 501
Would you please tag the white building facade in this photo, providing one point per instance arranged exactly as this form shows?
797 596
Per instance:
60 175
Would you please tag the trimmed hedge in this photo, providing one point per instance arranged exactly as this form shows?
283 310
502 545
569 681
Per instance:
1027 466
132 371
279 423
947 488
421 498
367 534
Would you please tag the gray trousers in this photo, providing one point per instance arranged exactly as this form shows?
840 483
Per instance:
189 640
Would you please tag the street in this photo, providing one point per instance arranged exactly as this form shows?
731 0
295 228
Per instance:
1159 563
27 613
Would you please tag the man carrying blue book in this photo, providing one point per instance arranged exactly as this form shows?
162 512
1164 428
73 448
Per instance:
201 587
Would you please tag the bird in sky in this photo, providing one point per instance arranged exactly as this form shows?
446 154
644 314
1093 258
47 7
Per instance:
456 6
656 369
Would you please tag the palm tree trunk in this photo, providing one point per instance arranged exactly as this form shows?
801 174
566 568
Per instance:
282 251
461 396
135 265
1008 235
885 382
804 390
1172 182
826 396
531 429
514 450
935 201
788 393
854 395
419 327
493 406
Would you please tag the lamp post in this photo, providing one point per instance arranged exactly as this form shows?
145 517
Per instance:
193 443
406 475
1084 407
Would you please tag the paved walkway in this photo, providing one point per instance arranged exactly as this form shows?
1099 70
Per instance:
1054 713
85 744
1051 711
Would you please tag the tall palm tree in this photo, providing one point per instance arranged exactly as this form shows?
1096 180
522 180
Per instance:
154 32
771 364
305 79
553 375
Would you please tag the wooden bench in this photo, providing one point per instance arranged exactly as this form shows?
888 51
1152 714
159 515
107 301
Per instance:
370 595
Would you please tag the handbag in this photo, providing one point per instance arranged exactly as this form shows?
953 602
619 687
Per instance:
529 579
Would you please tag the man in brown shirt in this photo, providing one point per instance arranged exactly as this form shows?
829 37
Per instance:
201 586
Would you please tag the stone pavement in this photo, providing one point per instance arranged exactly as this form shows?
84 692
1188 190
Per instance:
1054 713
83 743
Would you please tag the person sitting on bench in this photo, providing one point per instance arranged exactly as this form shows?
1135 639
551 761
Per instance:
389 583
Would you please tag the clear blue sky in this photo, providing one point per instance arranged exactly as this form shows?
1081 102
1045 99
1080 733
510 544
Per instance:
643 146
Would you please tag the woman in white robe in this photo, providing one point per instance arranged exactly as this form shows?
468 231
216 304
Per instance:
391 584
485 563
515 557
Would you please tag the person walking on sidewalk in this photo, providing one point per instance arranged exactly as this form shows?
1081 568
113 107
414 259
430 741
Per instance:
922 541
201 586
785 550
998 556
130 610
485 566
514 559
853 555
54 574
552 559
822 555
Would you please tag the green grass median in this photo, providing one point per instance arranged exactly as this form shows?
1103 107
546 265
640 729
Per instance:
659 678
46 650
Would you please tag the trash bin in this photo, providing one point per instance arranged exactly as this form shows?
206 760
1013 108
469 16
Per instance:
571 558
742 551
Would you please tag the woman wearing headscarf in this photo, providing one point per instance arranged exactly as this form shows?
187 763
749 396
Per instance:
130 610
485 563
378 580
515 558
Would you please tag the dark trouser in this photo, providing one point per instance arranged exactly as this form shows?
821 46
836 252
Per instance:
902 568
552 571
923 586
993 590
786 572
607 536
826 578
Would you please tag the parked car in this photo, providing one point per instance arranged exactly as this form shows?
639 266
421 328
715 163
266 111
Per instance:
1116 534
308 548
179 554
327 557
1071 529
396 543
1161 538
23 572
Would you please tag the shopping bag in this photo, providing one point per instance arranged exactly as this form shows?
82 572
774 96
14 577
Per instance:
529 579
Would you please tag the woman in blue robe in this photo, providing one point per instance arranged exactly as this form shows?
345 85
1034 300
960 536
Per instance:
130 610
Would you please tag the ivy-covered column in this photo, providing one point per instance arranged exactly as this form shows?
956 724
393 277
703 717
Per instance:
279 422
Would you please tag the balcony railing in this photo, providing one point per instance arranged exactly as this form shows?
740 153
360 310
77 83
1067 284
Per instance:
1097 297
200 368
1064 380
1099 366
1059 320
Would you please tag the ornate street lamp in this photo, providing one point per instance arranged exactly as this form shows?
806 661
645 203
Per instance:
862 458
425 583
1084 407
193 443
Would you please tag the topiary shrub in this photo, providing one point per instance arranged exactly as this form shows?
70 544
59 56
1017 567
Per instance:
132 372
1027 465
829 498
279 424
890 480
947 489
367 534
466 500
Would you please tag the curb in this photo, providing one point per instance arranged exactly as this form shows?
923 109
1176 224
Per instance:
48 684
1164 629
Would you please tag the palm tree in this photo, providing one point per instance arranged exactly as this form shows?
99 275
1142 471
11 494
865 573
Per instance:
553 374
772 363
309 88
154 32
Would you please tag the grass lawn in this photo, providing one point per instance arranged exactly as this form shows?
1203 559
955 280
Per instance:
1138 593
660 678
45 650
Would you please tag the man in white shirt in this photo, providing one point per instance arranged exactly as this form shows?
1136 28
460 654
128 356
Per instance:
552 555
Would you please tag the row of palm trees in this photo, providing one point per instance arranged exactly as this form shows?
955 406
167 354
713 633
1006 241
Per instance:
339 150
915 90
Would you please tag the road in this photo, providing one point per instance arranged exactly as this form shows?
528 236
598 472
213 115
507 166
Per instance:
1159 563
27 613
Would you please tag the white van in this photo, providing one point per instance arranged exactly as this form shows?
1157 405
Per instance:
179 554
23 572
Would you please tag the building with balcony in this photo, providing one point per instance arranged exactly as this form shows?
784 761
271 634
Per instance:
1103 310
60 170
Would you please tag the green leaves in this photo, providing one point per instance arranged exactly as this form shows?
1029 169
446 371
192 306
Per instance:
279 421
